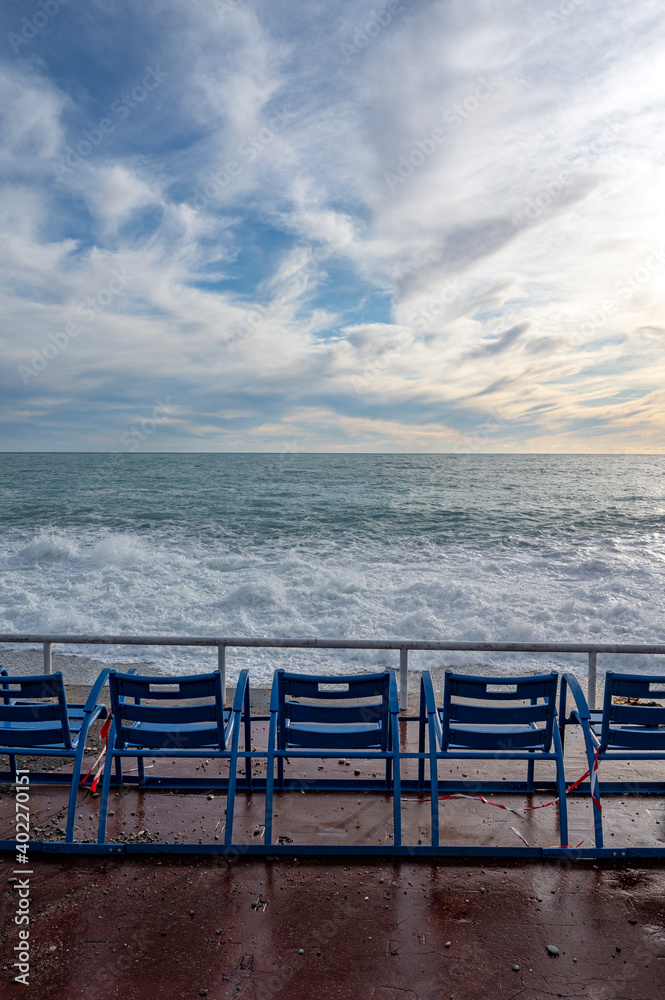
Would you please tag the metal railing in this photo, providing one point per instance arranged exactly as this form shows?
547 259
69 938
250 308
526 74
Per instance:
404 647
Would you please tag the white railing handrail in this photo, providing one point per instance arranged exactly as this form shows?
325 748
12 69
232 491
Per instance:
47 640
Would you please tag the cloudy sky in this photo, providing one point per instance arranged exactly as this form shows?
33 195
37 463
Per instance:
267 225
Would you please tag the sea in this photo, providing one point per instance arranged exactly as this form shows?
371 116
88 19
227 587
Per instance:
547 548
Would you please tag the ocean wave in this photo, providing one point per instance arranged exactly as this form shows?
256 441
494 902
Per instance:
89 581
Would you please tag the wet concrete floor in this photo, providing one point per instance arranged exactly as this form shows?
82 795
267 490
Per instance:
260 929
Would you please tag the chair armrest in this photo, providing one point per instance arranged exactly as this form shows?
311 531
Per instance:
274 695
95 691
242 692
393 699
274 712
581 704
427 692
243 683
427 695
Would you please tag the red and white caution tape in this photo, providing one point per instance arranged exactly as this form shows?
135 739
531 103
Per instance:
98 766
593 781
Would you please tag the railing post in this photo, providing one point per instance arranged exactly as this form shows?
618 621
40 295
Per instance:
48 665
403 679
591 680
221 666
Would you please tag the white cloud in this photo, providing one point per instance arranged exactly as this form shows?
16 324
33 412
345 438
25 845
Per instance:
114 194
535 208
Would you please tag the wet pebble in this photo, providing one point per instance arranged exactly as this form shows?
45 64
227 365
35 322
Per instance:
447 944
516 968
553 950
301 951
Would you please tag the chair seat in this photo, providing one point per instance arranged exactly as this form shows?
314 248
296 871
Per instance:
333 727
515 738
334 735
468 727
647 739
13 732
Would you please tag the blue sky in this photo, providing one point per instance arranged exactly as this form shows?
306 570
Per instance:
426 225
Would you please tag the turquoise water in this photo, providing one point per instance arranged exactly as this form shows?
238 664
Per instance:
363 546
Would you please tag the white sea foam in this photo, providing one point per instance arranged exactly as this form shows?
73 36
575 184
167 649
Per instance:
164 582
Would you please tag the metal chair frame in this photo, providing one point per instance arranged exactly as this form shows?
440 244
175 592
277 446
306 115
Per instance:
490 731
169 731
30 725
617 732
303 723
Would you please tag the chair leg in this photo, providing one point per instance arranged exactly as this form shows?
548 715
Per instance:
73 792
104 800
12 766
248 739
270 787
597 814
434 785
140 767
231 791
397 802
561 790
529 775
421 750
591 760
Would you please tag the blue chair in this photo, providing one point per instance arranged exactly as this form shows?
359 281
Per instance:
303 723
201 729
476 724
618 732
36 721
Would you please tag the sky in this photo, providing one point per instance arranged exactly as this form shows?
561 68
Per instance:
386 226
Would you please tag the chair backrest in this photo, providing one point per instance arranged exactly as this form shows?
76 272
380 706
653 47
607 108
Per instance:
369 722
166 725
648 720
33 712
536 696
